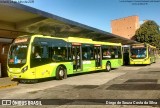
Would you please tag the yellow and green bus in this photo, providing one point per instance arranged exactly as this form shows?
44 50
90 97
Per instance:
142 53
38 56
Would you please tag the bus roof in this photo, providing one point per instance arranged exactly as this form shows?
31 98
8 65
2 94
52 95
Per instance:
90 41
76 40
79 40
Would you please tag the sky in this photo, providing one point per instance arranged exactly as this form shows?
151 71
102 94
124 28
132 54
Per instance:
99 13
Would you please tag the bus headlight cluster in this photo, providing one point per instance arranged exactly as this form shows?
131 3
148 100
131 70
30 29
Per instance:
24 69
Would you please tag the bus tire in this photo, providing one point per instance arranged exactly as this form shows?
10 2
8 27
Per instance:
61 73
108 66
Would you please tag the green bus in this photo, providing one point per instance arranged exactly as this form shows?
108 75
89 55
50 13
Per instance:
142 53
38 56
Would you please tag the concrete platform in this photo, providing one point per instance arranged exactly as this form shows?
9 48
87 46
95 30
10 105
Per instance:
6 82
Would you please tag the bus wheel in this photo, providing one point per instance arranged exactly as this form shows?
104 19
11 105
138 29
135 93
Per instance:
61 73
108 66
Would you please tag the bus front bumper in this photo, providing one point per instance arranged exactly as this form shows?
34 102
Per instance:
21 75
139 61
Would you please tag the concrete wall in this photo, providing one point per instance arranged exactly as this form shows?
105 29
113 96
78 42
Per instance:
125 27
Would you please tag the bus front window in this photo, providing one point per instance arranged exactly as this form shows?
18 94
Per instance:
138 53
17 55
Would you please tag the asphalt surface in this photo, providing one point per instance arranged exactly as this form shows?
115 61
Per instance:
6 82
93 90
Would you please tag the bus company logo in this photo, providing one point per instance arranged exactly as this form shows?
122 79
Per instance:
20 102
6 102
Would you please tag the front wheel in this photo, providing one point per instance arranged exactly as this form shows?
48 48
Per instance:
108 66
61 73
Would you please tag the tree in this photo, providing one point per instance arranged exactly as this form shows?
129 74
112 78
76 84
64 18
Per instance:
149 32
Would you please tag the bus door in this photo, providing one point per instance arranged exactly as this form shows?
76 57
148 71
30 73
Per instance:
77 58
98 56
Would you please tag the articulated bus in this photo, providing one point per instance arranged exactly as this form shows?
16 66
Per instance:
38 56
142 53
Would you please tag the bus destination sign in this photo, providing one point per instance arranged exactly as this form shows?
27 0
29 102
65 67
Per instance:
21 40
138 46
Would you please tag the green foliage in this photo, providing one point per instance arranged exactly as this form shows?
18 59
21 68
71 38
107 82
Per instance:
149 32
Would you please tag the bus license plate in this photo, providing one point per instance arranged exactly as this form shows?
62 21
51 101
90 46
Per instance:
139 63
14 76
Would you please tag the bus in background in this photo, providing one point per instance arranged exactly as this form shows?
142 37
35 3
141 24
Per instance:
38 56
142 53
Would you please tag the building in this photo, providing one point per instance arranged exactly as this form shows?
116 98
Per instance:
125 27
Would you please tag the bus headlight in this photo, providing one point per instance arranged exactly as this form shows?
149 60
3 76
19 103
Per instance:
24 69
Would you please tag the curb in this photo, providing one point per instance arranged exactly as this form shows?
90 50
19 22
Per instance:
9 85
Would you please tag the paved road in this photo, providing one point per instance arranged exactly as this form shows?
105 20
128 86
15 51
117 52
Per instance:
126 82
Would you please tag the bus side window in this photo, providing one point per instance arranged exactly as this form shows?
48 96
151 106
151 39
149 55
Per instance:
112 52
69 53
119 52
39 55
45 53
87 53
35 50
59 53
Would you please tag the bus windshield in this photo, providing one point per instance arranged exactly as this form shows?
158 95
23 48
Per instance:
17 55
138 53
